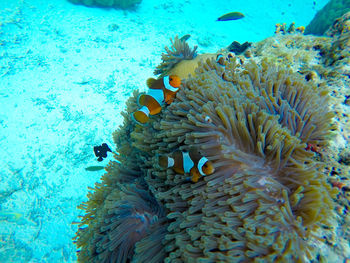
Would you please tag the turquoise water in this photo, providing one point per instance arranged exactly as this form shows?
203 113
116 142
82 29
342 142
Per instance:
65 74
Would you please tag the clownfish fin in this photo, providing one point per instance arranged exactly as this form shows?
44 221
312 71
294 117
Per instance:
150 82
195 176
141 99
169 99
165 161
188 180
141 116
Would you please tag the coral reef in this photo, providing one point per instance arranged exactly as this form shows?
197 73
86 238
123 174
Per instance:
282 28
340 26
269 197
280 190
326 16
108 3
338 54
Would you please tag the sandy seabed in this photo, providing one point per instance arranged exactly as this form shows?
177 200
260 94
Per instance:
65 74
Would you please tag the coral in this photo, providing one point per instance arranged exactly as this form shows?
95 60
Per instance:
325 17
282 28
340 26
267 198
108 3
296 50
339 51
179 51
338 55
185 68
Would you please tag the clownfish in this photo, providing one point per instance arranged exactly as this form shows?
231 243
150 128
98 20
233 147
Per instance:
187 162
161 91
220 59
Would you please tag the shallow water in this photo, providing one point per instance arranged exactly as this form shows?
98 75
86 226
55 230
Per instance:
65 74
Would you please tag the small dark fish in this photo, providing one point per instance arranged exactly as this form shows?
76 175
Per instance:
231 16
101 151
94 168
185 37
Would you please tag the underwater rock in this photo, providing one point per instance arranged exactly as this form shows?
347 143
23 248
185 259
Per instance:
326 16
124 4
340 26
338 55
238 48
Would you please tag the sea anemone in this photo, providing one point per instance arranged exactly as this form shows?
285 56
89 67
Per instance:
128 213
178 52
268 196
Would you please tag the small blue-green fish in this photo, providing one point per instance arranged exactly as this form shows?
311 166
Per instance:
231 16
185 37
94 168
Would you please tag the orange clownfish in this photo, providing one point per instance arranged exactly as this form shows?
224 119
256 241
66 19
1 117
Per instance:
220 59
191 162
161 91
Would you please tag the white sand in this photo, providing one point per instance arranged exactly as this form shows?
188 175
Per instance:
64 78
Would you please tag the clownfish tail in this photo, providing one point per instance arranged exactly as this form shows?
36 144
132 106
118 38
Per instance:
141 116
165 161
150 82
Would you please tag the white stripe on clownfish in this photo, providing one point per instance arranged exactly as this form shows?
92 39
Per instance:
201 162
157 94
145 110
171 162
187 162
167 84
218 57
